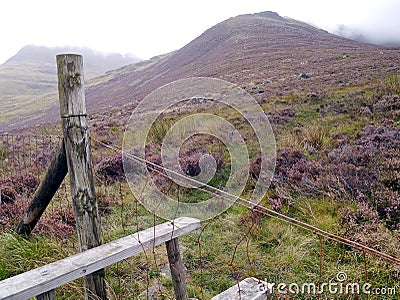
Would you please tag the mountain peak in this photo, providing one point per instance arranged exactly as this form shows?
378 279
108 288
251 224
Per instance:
269 15
29 53
96 63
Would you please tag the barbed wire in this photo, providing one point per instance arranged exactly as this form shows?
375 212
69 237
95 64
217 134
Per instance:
256 207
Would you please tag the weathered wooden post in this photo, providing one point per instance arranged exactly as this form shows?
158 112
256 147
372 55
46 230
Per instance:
77 148
177 269
51 181
50 295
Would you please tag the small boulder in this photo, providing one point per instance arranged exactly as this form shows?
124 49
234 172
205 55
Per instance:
152 293
313 96
303 76
367 112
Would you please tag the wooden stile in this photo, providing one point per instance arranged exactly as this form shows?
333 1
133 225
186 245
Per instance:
43 279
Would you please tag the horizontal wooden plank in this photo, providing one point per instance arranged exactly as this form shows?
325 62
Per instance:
48 277
250 289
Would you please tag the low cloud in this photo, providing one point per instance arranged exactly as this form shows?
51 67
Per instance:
350 33
376 22
378 36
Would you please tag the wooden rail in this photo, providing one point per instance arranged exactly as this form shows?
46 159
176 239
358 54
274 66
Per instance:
43 280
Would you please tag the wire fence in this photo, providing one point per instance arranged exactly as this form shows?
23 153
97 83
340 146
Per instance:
229 248
26 153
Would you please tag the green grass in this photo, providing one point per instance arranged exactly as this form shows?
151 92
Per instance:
3 152
19 255
273 250
277 252
391 85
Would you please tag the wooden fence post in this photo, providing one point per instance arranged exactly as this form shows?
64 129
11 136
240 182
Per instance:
51 181
77 149
50 295
177 269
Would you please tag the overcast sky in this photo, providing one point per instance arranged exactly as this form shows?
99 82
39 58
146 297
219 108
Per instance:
151 27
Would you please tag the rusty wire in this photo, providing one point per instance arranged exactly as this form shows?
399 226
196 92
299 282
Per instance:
261 209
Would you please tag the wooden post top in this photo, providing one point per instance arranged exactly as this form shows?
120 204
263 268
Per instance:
71 85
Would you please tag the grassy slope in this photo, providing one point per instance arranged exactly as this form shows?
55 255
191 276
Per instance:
271 249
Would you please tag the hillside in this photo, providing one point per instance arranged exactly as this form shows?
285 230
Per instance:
31 73
262 47
255 47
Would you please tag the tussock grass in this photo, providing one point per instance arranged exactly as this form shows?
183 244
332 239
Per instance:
159 130
18 255
310 138
391 85
3 152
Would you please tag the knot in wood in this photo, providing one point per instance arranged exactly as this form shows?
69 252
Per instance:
74 80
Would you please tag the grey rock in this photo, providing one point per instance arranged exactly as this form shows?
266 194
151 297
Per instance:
367 112
303 76
152 293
